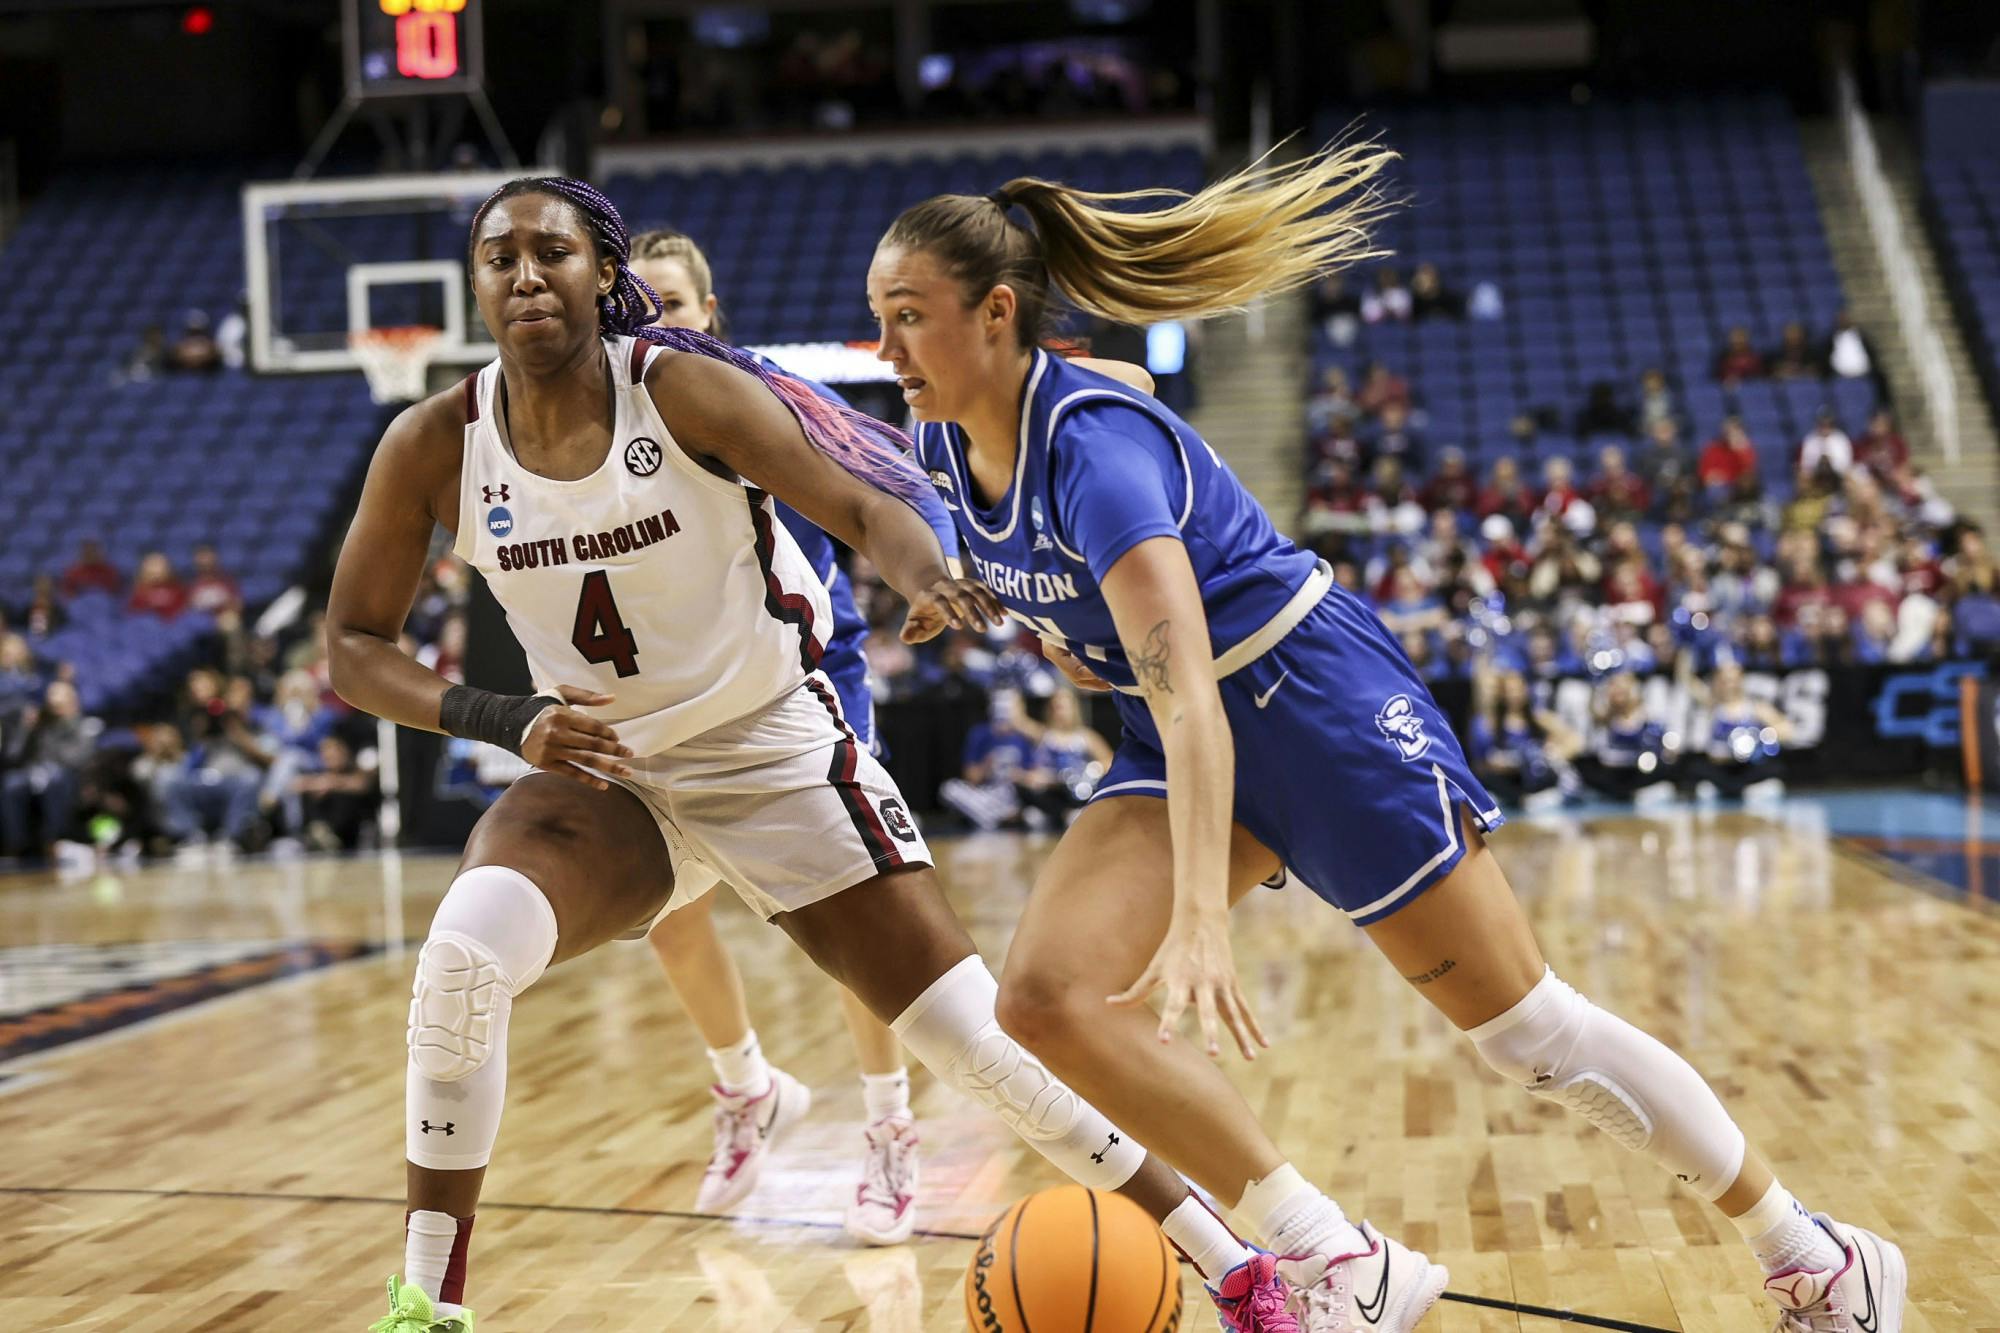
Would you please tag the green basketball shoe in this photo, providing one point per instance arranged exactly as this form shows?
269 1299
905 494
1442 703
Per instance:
411 1311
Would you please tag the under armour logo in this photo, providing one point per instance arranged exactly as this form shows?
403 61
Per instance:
445 1127
1098 1157
494 494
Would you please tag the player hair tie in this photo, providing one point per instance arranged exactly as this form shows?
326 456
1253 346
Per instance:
1001 199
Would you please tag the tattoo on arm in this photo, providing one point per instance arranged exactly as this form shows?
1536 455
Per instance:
1149 664
1425 978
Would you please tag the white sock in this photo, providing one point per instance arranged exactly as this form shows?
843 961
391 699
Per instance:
1201 1236
1291 1216
427 1242
886 1095
741 1069
1783 1235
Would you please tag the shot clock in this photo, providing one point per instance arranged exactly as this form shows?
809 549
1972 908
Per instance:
397 48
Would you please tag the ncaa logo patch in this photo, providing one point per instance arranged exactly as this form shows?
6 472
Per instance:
643 457
499 522
897 819
1399 724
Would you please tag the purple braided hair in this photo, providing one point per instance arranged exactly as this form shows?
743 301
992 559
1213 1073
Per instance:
873 451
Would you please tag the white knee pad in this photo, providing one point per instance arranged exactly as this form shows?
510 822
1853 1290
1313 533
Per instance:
951 1027
491 938
1559 1045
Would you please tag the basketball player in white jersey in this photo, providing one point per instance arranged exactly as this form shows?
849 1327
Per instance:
618 499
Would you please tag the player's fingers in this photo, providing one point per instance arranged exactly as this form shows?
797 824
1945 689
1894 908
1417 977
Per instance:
1171 1010
575 772
1204 1007
591 741
988 603
578 695
1249 1015
1236 1016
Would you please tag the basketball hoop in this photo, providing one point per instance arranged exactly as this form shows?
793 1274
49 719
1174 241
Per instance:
395 360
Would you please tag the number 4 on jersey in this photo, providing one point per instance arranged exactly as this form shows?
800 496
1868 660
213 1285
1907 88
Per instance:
599 634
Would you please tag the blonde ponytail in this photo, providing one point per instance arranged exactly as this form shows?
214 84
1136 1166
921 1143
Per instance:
1270 228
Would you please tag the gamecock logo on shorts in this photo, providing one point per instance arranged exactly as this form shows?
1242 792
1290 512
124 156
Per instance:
898 819
643 457
1400 724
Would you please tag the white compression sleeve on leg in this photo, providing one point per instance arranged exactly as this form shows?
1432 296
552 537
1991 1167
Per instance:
951 1028
1559 1045
492 936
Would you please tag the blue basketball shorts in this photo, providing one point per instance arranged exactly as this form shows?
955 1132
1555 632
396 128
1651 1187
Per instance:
1345 766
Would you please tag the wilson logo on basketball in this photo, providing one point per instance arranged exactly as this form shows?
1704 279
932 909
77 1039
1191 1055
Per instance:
643 457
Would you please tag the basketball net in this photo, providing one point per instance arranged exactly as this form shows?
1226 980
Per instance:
395 360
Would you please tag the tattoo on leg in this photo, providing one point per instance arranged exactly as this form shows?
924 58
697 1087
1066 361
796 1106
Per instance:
1425 978
1149 664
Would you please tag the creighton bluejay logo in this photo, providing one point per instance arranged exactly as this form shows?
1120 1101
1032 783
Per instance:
1399 723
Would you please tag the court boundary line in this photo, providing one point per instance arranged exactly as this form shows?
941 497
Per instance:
675 1214
1907 875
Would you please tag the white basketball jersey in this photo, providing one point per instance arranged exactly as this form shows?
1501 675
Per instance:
652 579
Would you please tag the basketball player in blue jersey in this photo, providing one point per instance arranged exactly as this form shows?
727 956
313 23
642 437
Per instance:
755 1101
1267 714
613 481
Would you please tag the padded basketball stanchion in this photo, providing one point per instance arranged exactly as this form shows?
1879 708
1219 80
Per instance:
395 360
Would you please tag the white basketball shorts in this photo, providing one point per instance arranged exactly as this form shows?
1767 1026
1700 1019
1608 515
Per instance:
782 804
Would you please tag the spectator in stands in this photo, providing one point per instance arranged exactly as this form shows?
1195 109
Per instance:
1972 593
1560 493
1451 485
1826 445
1565 569
447 655
1392 502
1341 440
1431 299
155 590
1617 492
1394 437
1664 461
1727 460
1521 752
44 614
212 787
1875 634
1795 358
1739 359
21 681
1336 309
1507 494
1761 645
340 798
149 358
1656 401
997 752
48 751
1070 758
1411 608
1335 500
1628 759
1602 413
1745 738
91 572
195 351
290 729
1881 448
212 590
233 332
1389 302
1848 354
1379 387
1332 400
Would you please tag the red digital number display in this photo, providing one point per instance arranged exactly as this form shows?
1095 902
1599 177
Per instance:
426 45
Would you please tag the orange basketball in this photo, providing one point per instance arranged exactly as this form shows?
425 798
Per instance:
1072 1260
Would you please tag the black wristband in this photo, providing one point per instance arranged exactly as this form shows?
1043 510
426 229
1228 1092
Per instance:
497 719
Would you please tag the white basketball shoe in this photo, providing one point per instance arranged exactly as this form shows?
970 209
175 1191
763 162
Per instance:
1385 1288
884 1210
744 1130
1864 1294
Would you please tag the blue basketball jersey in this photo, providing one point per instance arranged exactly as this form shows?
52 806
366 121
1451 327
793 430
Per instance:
1101 468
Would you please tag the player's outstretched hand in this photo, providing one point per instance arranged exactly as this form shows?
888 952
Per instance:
1073 668
1194 963
575 744
954 604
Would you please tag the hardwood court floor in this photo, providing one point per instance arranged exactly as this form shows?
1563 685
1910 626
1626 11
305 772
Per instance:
238 1164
